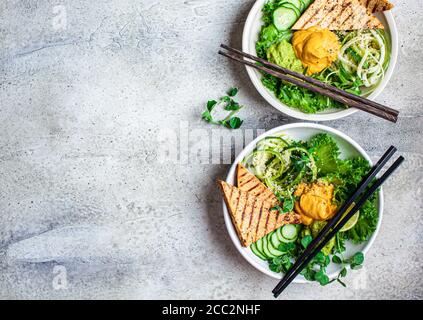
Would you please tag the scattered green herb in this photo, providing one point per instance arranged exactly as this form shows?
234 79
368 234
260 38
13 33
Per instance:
342 274
287 205
228 104
232 105
306 241
233 123
355 263
321 277
336 259
232 92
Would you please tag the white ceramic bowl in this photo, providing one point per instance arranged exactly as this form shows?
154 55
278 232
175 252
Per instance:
249 39
300 131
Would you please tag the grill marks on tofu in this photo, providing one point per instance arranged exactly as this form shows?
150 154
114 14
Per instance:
331 16
250 212
377 5
345 13
323 9
246 218
248 182
338 15
358 15
255 218
262 223
311 12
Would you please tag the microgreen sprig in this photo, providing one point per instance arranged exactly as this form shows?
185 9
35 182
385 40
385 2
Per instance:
287 204
228 104
355 262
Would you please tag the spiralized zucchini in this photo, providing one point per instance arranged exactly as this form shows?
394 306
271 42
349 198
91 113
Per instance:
365 53
281 164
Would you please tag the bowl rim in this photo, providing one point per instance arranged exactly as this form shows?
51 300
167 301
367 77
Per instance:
295 113
230 178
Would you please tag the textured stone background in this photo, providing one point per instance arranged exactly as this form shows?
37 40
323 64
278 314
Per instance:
82 101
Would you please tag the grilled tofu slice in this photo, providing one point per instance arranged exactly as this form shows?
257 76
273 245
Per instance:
251 215
337 15
248 182
334 14
377 5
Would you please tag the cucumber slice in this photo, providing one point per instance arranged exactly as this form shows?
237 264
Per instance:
259 246
298 4
284 18
275 240
266 251
256 252
290 232
289 5
273 250
279 234
288 240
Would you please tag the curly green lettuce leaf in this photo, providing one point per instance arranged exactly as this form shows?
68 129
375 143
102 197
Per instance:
354 169
349 174
366 224
325 152
268 36
297 97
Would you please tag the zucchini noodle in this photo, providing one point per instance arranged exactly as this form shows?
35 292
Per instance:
281 164
366 54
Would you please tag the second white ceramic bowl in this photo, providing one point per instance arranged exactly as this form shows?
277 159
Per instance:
301 131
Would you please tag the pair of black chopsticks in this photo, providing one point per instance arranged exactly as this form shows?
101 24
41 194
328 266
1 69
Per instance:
312 84
366 189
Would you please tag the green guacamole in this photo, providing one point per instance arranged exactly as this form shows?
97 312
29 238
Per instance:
283 55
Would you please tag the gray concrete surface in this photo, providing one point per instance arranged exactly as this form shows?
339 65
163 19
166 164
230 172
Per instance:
87 210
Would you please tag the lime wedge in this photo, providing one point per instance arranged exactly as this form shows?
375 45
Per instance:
353 220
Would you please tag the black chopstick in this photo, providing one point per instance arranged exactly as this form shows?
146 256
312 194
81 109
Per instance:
306 259
332 222
312 81
382 113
